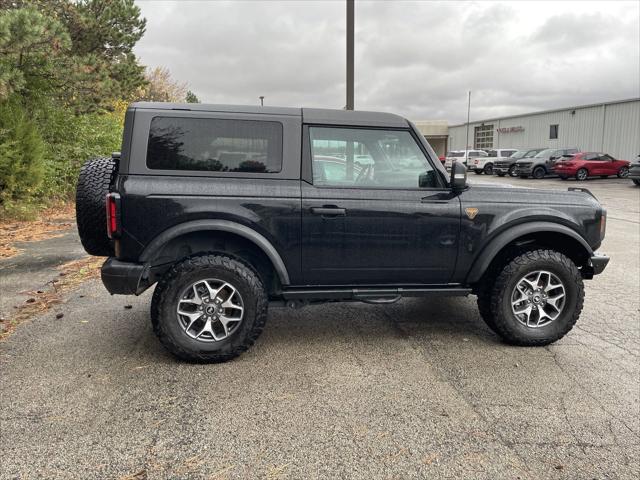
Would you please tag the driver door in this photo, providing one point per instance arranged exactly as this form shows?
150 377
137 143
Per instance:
375 212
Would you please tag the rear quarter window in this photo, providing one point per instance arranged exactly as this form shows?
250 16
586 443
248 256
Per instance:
214 145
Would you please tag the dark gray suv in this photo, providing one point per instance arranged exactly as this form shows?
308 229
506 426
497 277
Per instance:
541 164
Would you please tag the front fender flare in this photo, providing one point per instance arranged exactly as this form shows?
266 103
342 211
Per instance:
259 240
489 252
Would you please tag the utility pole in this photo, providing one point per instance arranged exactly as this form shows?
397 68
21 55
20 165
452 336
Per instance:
350 16
466 148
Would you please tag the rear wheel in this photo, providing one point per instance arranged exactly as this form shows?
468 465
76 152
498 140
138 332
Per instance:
582 174
539 172
512 171
536 298
623 172
488 169
209 308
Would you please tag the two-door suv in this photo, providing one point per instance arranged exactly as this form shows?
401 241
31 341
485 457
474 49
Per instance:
230 209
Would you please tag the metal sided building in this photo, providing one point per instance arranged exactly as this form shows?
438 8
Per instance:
612 127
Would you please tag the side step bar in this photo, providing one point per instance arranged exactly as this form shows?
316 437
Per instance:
383 295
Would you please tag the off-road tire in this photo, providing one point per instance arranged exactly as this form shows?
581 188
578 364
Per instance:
96 175
505 323
538 173
219 266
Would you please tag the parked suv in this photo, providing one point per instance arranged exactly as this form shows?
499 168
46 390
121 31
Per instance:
485 164
634 171
588 164
229 210
541 164
502 167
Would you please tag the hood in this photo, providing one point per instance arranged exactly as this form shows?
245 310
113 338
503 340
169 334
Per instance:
494 193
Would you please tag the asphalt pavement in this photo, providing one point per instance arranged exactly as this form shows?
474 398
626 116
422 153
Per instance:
417 389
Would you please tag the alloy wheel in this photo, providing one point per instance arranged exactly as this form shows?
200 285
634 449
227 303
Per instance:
538 299
210 310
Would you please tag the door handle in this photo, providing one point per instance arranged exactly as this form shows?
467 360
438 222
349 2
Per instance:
329 211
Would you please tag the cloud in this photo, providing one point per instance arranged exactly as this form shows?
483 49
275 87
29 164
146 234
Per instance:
418 59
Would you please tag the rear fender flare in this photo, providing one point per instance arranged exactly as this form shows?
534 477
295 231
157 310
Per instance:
156 245
489 252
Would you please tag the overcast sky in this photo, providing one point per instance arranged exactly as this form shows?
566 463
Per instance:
417 59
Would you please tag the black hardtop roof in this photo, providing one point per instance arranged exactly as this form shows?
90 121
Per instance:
309 115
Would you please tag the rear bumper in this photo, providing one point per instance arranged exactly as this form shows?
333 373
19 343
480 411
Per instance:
124 278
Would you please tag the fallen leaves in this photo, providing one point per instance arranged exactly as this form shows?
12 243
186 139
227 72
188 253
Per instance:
50 224
41 301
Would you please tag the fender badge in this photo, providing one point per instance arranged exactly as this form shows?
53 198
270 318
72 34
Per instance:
471 212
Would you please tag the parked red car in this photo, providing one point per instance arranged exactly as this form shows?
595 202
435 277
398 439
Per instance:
590 164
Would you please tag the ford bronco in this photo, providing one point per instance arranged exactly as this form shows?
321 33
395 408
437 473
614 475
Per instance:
230 209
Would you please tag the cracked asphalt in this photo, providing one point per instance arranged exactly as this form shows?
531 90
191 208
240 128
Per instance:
417 389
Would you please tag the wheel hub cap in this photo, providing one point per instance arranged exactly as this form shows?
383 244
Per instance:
210 310
538 299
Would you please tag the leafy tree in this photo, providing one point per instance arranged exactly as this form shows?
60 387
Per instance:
84 49
162 88
191 97
31 50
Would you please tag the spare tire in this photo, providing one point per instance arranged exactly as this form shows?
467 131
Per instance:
96 175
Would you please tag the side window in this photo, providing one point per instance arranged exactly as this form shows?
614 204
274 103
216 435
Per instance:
362 158
214 145
607 158
591 156
508 153
553 132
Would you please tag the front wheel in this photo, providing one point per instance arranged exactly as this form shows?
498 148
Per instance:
209 308
539 173
512 171
623 172
582 174
536 298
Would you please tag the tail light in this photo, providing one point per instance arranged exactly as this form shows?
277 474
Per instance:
113 215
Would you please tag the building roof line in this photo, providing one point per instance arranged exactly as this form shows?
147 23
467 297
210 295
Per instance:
542 112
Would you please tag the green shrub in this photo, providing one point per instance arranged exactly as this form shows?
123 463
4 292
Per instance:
21 153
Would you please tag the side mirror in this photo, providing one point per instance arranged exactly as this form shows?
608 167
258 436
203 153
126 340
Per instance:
458 176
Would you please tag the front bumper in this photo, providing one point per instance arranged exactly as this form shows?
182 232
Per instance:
124 278
596 265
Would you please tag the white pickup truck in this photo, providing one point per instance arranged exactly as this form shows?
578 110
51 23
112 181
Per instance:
485 164
466 157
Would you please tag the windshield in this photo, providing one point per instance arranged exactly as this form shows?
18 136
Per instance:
520 153
545 153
